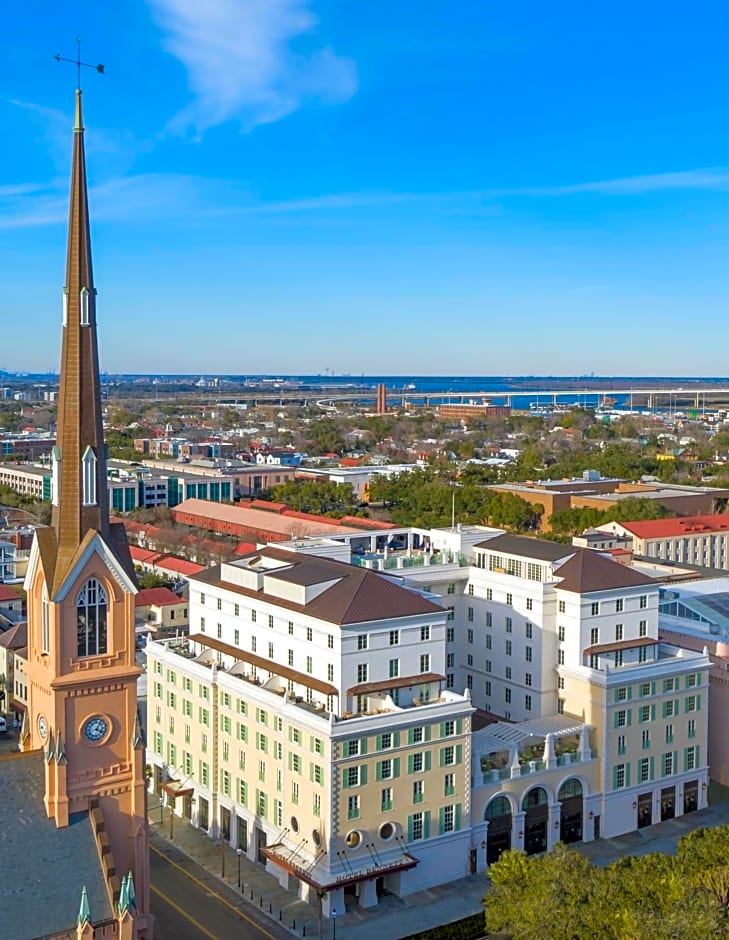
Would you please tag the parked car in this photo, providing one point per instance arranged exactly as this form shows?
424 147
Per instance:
3 725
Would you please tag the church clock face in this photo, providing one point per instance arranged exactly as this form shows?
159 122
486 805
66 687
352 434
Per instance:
42 726
95 729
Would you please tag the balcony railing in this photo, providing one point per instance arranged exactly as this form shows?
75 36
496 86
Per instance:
528 767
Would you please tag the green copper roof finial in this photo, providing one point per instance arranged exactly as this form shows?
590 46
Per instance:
84 913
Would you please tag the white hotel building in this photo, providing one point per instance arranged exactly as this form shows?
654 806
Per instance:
322 716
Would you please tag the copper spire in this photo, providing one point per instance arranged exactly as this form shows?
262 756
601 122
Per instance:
80 501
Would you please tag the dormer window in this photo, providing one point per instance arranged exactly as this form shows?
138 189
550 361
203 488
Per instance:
64 301
88 469
55 474
85 307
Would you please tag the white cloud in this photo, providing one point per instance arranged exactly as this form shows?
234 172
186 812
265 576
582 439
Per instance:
240 63
708 178
187 197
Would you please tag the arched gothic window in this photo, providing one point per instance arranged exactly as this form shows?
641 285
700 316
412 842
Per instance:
88 465
85 312
45 625
91 619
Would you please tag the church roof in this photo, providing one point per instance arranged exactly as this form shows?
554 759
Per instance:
42 868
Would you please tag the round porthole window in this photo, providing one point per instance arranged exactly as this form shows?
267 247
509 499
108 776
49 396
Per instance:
387 831
294 824
353 839
316 837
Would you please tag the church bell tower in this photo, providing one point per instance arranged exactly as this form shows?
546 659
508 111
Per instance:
82 674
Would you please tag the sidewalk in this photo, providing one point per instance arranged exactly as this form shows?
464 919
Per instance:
394 917
662 837
391 919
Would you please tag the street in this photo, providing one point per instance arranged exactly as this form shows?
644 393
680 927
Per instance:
190 903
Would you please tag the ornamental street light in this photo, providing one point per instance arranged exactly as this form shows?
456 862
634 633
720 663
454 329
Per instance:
239 852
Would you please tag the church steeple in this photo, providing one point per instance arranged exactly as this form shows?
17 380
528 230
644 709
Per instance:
79 489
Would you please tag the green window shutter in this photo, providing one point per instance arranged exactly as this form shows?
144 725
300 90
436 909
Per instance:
290 760
311 772
653 688
410 828
459 753
378 770
630 692
344 775
677 707
363 775
630 717
653 712
396 739
697 762
627 775
427 732
615 696
698 703
685 758
410 735
459 726
378 742
615 720
426 824
290 736
664 709
363 746
458 817
615 778
410 763
441 820
675 762
652 768
441 758
427 760
442 729
396 767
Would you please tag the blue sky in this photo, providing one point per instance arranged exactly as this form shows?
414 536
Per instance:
390 186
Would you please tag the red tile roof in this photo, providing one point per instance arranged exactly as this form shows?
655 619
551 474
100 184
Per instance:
178 565
8 594
245 548
157 596
141 555
675 528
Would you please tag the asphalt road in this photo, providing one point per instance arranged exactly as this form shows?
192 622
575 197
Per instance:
191 904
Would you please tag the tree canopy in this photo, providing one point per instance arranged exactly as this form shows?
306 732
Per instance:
320 498
428 498
562 896
632 509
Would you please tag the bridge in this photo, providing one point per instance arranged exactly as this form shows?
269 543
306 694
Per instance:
651 397
696 396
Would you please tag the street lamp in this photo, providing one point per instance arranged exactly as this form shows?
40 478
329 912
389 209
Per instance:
239 852
161 810
334 923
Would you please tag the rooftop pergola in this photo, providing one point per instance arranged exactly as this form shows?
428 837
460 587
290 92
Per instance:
505 736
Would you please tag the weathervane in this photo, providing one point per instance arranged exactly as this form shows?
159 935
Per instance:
78 63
